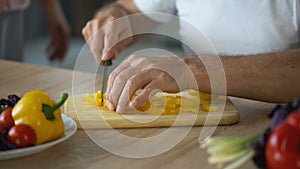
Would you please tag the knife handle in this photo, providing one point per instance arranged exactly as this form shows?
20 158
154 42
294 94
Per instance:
106 63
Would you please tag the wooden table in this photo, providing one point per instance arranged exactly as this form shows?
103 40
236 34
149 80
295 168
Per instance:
81 152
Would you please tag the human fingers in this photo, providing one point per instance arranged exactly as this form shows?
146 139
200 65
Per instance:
101 35
51 48
117 35
85 32
117 87
148 91
58 45
158 80
124 65
96 46
133 84
117 52
56 54
110 40
94 37
62 44
149 80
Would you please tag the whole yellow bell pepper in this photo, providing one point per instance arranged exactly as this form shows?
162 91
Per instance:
37 110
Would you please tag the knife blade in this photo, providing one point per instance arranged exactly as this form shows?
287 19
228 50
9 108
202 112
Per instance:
105 66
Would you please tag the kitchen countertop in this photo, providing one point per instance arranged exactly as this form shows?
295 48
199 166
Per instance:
81 152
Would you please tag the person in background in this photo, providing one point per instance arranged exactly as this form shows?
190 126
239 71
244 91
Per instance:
12 29
260 40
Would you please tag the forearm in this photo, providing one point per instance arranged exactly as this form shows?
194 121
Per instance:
272 77
53 11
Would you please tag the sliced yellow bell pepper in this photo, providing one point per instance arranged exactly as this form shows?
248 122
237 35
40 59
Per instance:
96 99
202 95
170 104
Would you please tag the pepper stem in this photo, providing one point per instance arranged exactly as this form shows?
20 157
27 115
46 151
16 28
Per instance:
49 111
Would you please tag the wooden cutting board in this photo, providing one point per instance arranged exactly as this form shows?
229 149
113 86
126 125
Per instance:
94 117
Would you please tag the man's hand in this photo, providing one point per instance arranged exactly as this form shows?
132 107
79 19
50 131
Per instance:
152 74
108 32
59 30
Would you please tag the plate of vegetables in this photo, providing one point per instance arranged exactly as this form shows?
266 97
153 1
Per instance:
31 124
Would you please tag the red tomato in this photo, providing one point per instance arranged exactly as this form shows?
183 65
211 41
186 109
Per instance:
283 148
6 117
282 160
294 120
22 135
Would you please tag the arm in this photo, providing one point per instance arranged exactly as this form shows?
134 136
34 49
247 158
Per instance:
59 29
271 77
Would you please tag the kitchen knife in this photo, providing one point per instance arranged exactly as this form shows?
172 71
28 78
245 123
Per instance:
105 65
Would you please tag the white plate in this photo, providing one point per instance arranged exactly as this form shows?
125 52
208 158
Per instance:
70 129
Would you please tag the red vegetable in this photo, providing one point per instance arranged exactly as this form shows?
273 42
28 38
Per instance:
294 120
2 128
6 118
283 147
22 135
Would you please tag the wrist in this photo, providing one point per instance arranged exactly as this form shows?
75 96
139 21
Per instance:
113 9
198 78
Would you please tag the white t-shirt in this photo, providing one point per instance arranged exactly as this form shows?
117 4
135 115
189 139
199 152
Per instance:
233 26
